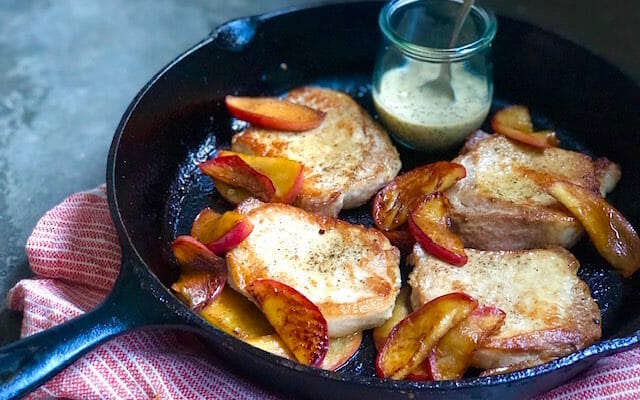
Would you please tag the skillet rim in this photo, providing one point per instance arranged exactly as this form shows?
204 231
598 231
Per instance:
595 351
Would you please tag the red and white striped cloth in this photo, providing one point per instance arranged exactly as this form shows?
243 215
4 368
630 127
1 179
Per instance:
75 256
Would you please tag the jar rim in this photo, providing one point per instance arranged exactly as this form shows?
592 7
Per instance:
426 53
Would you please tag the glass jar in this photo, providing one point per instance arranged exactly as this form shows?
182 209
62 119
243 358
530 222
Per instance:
416 46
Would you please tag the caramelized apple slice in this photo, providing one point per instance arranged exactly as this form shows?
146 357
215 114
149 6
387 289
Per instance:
394 202
422 372
516 117
516 367
195 256
400 311
402 239
430 226
298 321
228 232
234 171
272 113
612 235
514 122
203 225
341 349
198 288
452 355
272 344
220 233
411 341
233 195
542 139
202 276
286 175
234 314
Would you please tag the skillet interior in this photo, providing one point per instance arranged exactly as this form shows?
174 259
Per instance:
180 120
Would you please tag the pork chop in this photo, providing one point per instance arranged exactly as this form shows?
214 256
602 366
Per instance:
350 272
347 159
498 206
549 310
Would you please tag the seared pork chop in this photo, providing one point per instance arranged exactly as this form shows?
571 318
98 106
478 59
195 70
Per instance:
346 159
498 206
350 272
549 310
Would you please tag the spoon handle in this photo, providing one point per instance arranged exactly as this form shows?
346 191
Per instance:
462 16
445 68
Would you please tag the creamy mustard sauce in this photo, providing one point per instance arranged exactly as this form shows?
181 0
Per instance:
430 121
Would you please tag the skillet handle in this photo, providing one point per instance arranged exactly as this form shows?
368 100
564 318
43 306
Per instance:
28 363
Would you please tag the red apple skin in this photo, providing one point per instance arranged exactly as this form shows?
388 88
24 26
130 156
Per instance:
272 113
434 248
234 171
232 238
298 321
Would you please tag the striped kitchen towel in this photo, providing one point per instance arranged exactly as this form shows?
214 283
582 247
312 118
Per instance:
75 256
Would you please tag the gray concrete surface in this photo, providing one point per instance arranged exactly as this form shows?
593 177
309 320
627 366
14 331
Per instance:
68 69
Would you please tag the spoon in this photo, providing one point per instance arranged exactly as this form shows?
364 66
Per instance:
442 84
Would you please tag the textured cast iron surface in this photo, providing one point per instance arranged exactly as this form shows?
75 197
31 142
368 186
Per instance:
179 120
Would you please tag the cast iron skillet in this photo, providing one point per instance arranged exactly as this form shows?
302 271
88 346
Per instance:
178 119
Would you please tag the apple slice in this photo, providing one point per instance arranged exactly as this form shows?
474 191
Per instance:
430 226
233 195
273 113
411 341
234 171
514 122
394 202
298 321
515 116
421 373
400 310
451 357
341 349
203 274
611 234
402 239
234 314
195 256
220 233
198 288
203 225
272 344
228 232
535 361
286 175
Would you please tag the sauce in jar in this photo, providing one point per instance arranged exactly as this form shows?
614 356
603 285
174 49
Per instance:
430 121
416 48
